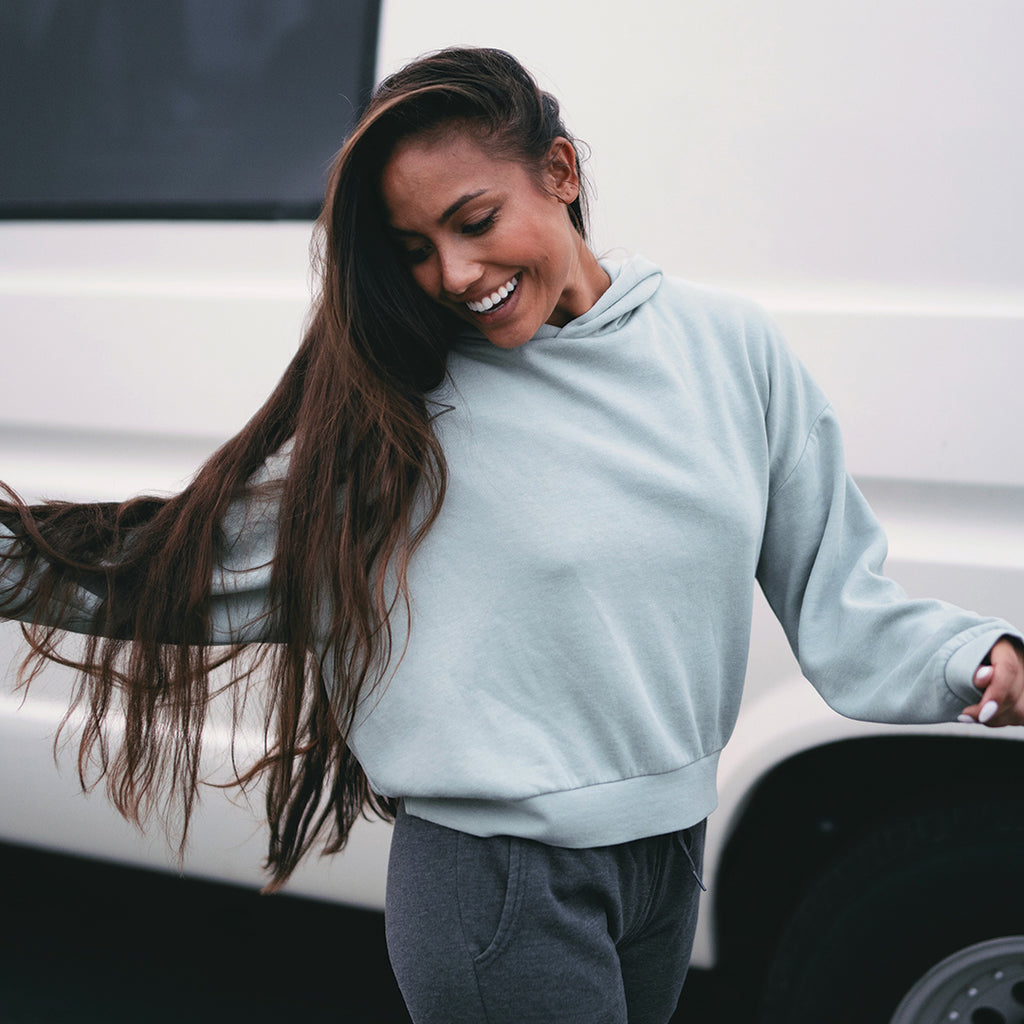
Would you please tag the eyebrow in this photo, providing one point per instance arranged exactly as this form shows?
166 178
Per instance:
459 203
449 213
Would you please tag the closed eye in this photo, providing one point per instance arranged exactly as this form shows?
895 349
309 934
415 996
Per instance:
416 255
478 227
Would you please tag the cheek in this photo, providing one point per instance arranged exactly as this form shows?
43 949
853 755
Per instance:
423 278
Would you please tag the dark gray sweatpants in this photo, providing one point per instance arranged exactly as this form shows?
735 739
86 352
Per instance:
511 931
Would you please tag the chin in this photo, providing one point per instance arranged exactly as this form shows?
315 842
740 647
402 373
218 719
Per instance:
511 335
508 342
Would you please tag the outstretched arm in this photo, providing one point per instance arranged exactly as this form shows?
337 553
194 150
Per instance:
872 652
73 594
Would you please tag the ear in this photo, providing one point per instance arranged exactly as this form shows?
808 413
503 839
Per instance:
562 179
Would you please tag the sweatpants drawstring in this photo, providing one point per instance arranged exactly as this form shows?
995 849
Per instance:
681 836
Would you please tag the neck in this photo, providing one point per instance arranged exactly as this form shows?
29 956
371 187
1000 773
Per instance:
590 282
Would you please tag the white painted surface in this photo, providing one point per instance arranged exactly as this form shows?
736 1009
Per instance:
802 143
854 166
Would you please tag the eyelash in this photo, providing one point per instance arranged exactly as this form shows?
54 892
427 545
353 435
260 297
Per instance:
414 256
479 227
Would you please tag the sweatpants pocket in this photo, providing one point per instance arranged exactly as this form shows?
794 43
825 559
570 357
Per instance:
490 881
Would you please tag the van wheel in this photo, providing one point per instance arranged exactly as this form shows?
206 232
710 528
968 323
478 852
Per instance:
874 926
982 984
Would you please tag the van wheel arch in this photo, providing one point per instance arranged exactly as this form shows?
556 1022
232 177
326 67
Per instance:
810 812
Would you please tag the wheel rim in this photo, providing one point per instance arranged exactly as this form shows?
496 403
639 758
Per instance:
982 984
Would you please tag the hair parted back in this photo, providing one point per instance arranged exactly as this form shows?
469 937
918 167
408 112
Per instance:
365 478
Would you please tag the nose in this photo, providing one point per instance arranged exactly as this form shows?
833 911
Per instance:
459 272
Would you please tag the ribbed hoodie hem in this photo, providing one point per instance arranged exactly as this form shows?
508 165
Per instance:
599 815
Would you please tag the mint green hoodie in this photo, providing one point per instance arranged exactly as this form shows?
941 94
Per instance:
581 608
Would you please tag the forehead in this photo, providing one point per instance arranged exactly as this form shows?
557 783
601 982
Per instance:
426 174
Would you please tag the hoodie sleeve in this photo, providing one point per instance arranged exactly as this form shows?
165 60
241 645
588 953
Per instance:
239 589
872 652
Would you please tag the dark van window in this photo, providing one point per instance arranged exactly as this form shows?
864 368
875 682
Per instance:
177 108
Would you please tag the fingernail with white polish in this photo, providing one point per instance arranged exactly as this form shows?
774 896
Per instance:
988 711
984 674
966 719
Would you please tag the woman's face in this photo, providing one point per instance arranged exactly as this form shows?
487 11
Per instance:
488 239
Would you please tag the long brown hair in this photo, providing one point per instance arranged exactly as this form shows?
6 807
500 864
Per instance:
364 478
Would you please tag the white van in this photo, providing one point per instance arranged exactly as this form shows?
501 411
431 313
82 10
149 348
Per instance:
855 167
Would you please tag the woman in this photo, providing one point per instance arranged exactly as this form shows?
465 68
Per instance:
501 522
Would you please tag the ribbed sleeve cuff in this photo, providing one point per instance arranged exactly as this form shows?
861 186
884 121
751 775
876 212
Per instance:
966 659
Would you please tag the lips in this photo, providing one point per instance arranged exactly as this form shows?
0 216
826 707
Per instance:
495 299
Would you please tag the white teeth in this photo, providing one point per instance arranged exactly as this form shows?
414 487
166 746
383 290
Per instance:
492 300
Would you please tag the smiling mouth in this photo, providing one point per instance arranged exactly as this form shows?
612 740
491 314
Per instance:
496 299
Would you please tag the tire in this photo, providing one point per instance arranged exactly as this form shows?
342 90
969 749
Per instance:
903 898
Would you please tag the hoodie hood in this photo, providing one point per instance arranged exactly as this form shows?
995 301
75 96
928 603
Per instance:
633 282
